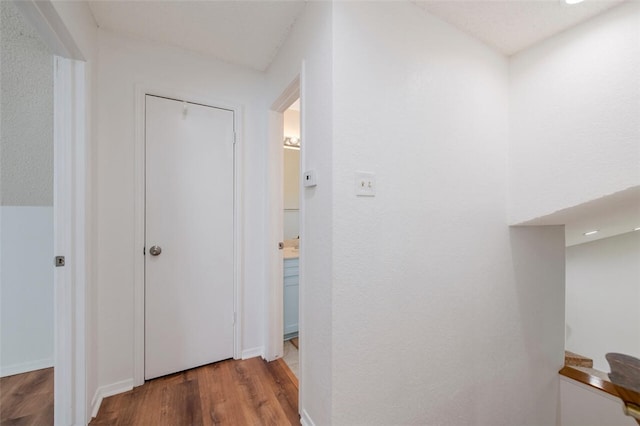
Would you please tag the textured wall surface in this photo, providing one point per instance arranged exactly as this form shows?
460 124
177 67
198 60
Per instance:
603 298
440 310
310 46
26 103
575 115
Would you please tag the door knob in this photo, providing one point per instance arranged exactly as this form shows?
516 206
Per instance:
155 250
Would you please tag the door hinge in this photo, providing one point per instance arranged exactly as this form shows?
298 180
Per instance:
144 251
59 261
235 138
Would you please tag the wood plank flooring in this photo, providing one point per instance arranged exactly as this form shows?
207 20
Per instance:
27 399
232 392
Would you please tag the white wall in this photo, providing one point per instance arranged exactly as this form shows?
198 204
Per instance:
26 212
310 42
291 183
574 115
603 298
582 405
291 162
123 63
291 179
27 288
440 311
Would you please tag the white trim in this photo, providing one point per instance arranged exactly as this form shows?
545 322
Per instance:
69 241
25 367
106 391
253 352
139 217
62 228
79 261
274 293
302 257
288 96
274 302
69 186
44 18
305 419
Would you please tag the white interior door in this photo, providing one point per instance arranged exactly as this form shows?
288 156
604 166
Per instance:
189 286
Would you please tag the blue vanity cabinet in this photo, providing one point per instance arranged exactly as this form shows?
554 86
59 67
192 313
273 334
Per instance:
290 297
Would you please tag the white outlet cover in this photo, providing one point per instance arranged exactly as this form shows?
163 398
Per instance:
365 184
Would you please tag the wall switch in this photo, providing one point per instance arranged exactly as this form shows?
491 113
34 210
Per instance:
309 178
365 184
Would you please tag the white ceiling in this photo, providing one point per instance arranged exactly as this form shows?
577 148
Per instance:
251 32
240 32
614 214
513 25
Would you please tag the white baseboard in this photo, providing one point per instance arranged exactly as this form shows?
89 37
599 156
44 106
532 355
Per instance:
109 390
25 367
253 352
305 420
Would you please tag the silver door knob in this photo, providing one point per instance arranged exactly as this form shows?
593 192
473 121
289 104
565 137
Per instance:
155 250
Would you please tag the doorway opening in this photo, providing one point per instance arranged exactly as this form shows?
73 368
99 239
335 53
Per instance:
285 250
291 234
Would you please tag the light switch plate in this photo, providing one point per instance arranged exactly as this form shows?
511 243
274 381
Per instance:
365 184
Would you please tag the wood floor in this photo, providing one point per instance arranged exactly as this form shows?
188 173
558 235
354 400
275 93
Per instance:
27 399
232 392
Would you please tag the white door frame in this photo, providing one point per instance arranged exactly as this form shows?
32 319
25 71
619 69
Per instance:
70 207
139 212
274 301
69 241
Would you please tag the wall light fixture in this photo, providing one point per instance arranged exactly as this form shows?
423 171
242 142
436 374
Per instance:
292 142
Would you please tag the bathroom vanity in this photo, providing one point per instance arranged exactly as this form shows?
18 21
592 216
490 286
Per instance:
290 292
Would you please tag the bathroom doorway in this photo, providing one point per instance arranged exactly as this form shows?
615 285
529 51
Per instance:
293 209
291 234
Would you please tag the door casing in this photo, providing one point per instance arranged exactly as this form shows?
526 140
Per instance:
139 213
72 210
275 305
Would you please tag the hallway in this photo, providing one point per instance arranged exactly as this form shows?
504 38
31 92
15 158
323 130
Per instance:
231 392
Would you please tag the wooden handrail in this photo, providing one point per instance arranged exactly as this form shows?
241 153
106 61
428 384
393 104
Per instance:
589 380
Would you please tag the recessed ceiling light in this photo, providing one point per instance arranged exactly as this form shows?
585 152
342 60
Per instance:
591 232
573 1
